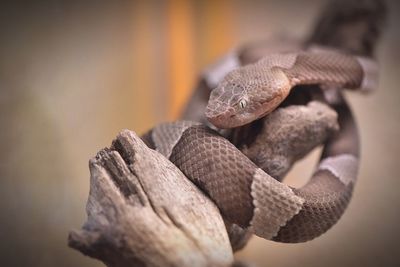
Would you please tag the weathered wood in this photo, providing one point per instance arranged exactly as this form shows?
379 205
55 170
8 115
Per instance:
289 134
142 211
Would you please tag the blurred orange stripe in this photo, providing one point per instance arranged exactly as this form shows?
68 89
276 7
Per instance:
218 28
180 53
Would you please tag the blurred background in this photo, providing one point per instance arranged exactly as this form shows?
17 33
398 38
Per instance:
74 73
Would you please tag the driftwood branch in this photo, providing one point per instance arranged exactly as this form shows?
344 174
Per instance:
142 211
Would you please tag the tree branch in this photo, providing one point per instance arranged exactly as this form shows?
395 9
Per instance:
142 211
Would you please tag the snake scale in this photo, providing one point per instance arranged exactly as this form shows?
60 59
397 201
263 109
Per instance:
245 194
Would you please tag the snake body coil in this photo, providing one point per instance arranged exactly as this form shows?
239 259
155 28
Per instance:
245 194
248 196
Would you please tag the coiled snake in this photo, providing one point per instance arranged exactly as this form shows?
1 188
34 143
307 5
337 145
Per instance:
246 195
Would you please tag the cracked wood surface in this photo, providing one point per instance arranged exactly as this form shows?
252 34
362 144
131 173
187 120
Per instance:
142 211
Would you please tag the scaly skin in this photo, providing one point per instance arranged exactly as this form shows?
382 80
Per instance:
349 25
253 91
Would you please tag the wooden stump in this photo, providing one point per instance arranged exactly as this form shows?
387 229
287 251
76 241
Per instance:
142 211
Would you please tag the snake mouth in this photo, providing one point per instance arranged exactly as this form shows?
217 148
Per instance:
222 121
221 116
226 121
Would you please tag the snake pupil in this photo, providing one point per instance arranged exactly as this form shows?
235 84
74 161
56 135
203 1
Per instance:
242 103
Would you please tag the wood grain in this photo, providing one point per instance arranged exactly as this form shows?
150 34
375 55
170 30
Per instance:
142 211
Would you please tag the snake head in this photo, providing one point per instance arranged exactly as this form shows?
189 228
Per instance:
228 106
246 94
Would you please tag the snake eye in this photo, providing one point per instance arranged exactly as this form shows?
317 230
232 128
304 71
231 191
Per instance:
242 103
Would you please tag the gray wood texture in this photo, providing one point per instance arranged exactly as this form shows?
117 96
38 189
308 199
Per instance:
142 211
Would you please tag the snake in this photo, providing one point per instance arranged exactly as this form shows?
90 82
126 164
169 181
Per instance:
253 91
246 195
